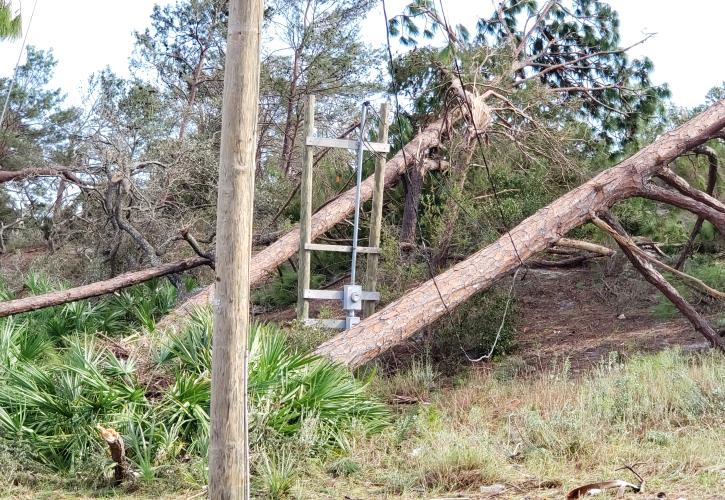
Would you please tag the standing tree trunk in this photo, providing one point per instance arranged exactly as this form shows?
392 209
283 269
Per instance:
709 189
291 123
453 209
425 304
194 90
413 188
229 445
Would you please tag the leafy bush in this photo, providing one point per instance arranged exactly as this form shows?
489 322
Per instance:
286 388
54 394
282 290
472 329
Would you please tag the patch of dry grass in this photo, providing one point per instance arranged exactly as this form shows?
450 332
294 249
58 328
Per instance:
542 435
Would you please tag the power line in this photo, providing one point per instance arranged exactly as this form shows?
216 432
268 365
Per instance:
479 143
450 193
17 64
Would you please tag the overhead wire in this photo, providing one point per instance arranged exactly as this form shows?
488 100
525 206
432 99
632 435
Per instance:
452 196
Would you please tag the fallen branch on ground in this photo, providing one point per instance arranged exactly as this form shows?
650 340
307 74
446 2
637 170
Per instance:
36 302
431 300
630 249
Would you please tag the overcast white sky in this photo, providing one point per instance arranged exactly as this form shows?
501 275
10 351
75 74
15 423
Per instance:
87 35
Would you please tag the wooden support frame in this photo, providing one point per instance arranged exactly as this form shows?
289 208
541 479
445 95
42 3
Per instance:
304 293
325 142
371 271
338 295
303 267
321 247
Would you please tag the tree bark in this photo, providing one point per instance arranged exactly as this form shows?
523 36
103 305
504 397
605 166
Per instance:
685 202
19 175
413 189
98 288
425 304
634 254
453 209
290 128
712 176
228 436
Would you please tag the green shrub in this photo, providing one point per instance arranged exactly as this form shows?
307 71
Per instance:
471 329
287 389
282 289
53 395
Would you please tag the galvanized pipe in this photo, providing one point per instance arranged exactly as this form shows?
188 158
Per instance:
356 225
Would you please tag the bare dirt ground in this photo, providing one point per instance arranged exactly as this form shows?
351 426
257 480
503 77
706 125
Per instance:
583 315
580 315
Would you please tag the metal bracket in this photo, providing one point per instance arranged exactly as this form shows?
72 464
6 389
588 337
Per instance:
338 295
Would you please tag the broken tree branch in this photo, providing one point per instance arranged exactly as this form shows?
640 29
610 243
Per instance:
98 288
431 300
684 187
585 245
267 260
712 176
630 249
689 280
18 175
676 198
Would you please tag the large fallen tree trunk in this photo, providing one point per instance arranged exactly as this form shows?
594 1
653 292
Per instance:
98 288
428 302
267 260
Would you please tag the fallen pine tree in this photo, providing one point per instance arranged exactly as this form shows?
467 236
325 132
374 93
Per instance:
630 178
98 288
267 260
423 305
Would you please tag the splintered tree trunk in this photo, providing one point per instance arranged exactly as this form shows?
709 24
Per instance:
266 261
413 189
425 304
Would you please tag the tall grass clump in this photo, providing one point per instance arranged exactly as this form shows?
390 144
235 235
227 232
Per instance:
646 396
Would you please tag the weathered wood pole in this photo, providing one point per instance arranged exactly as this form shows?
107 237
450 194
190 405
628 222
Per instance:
303 266
228 447
371 271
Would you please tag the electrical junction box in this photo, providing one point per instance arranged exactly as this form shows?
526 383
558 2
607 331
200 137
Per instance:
352 298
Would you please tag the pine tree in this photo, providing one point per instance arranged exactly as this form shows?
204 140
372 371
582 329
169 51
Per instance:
11 26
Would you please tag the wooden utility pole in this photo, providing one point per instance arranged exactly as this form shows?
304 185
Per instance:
229 447
371 272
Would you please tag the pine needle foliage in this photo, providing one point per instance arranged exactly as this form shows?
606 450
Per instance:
11 25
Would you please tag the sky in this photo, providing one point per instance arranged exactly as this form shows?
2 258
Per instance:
88 35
